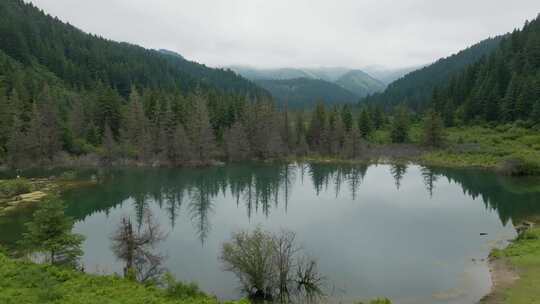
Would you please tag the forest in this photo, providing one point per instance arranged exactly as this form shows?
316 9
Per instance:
71 98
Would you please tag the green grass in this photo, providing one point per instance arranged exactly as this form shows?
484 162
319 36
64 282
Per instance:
27 283
477 146
524 255
13 187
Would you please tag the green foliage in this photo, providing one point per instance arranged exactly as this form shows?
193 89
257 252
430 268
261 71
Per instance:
180 290
399 130
365 123
416 88
508 148
13 187
300 93
23 282
433 129
49 233
524 256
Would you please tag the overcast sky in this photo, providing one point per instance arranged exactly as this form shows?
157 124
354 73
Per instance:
298 33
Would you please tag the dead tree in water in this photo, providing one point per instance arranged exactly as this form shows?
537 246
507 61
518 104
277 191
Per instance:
136 248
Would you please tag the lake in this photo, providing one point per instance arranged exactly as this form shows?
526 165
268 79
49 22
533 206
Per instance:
409 233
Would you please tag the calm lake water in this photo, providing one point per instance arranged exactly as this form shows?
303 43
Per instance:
409 233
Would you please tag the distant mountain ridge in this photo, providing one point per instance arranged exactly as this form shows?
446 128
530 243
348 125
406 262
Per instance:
304 92
345 85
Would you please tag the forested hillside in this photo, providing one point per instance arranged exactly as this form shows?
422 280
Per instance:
303 93
310 85
81 60
63 90
502 87
360 83
415 88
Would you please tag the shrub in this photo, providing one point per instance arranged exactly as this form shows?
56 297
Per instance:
180 290
14 187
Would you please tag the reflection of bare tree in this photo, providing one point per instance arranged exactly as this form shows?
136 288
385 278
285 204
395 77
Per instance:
136 248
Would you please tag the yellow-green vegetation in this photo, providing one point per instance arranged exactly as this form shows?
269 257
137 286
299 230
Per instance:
21 192
524 256
25 282
509 148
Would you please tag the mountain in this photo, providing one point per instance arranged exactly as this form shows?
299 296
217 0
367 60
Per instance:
416 87
342 83
30 36
305 92
171 53
500 88
360 83
387 76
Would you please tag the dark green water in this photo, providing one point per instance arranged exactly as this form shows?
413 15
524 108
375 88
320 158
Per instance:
405 232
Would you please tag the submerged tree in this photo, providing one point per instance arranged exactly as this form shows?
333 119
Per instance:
136 248
49 233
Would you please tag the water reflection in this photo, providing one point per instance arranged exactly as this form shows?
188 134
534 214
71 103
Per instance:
395 230
262 188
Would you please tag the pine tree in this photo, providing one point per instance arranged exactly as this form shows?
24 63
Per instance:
535 114
433 129
236 143
399 130
109 145
347 117
317 128
365 124
337 135
353 145
181 147
50 233
200 131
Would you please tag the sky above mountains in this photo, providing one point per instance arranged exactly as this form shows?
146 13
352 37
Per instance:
298 33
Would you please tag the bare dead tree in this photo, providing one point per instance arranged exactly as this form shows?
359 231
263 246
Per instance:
265 264
309 280
136 248
285 252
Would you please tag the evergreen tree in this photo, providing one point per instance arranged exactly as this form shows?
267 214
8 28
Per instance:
347 117
236 143
433 129
50 233
317 128
200 131
181 147
399 130
364 123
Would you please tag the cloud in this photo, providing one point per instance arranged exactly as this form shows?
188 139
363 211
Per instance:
298 33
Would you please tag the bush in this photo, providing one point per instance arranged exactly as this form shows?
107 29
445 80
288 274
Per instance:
180 290
10 188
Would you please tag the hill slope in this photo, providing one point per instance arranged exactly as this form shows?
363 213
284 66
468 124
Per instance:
502 87
416 87
305 92
360 83
30 36
356 82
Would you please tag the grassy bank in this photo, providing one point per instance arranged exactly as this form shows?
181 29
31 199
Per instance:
24 282
508 148
522 260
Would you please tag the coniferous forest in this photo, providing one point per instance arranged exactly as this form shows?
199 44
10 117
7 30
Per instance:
67 97
335 153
